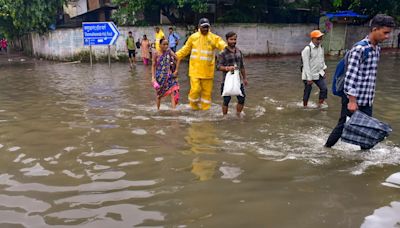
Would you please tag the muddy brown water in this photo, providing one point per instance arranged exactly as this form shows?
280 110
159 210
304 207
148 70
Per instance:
86 147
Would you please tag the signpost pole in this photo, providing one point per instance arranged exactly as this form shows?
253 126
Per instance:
91 59
99 33
109 56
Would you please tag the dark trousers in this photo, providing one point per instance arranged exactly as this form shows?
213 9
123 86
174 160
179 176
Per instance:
323 90
227 99
337 131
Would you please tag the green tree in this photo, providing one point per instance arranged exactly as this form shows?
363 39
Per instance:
128 10
267 10
370 7
21 16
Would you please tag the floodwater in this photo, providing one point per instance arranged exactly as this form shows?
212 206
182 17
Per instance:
86 147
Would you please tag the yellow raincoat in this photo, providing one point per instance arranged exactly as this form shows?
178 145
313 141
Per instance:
201 66
203 141
159 36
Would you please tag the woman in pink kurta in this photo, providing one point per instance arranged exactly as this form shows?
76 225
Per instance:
145 48
4 44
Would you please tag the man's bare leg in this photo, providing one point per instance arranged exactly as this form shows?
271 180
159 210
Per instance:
239 109
224 110
158 102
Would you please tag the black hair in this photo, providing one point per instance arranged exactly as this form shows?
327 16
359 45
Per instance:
230 34
382 20
130 32
162 39
171 28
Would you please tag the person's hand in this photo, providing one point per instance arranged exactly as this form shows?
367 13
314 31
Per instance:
153 80
352 106
230 68
310 82
175 73
245 82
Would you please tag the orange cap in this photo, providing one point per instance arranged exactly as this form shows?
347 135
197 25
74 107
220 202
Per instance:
316 34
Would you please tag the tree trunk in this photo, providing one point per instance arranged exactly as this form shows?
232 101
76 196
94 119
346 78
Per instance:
166 11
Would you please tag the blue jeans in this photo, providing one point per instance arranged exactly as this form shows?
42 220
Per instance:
337 131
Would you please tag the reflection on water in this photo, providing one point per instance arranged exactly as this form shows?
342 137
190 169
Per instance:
87 147
202 140
384 217
387 216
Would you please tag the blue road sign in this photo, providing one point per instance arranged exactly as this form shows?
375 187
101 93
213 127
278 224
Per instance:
99 33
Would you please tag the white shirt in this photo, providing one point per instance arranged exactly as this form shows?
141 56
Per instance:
315 66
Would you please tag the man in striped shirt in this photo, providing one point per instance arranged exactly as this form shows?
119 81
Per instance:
360 79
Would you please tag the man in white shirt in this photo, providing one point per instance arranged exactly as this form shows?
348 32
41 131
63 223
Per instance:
314 69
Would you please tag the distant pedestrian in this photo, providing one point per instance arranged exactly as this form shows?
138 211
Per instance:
231 59
398 40
173 39
145 50
131 47
163 79
314 69
159 35
4 45
360 77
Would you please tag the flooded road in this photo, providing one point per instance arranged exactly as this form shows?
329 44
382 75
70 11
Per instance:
82 146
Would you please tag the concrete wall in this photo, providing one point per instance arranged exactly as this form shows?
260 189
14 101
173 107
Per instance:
343 40
262 39
253 39
341 37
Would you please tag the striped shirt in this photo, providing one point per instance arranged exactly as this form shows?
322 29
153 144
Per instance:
361 72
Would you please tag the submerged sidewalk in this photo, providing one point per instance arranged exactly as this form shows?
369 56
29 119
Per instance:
13 56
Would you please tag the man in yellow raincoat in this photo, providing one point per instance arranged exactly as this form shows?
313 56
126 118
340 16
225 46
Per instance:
201 47
159 36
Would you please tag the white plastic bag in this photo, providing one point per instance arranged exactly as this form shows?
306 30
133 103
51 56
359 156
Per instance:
232 84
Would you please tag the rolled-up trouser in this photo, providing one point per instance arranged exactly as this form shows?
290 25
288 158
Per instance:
200 93
323 90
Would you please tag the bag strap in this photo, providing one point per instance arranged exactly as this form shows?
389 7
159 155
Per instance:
173 35
310 50
365 54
